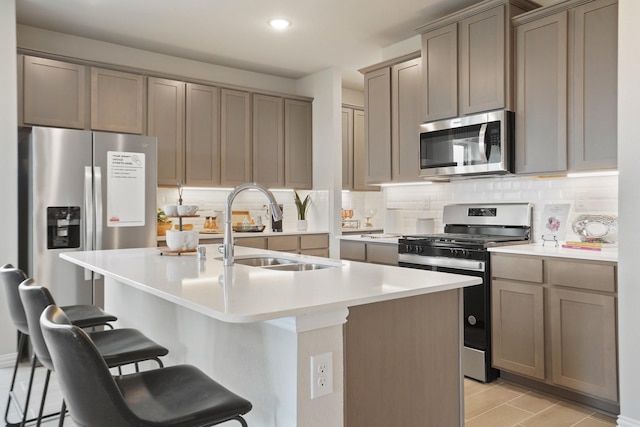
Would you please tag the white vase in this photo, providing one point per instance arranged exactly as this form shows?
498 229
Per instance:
302 225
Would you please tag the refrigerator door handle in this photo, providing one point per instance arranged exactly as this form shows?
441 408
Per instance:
97 177
97 185
89 215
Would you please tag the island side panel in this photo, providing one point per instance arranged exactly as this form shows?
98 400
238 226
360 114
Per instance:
403 362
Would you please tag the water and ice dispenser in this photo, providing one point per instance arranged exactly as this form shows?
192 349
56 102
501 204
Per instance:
63 227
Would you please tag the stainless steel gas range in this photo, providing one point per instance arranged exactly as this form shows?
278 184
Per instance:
470 229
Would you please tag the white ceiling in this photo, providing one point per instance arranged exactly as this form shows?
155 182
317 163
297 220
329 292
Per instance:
346 34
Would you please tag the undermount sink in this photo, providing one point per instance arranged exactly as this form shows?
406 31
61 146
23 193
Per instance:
280 264
265 261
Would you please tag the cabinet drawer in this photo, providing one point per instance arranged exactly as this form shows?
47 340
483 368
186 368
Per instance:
321 252
352 250
252 242
597 277
382 254
283 243
516 268
314 241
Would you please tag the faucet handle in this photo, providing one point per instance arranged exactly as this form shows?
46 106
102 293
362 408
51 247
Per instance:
221 249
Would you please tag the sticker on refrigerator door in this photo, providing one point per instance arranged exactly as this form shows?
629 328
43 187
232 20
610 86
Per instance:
125 189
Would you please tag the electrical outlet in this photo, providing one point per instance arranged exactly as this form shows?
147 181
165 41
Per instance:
321 374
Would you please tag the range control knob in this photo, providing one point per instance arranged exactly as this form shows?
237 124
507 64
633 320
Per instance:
472 320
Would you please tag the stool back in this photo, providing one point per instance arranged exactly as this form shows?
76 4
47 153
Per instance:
10 278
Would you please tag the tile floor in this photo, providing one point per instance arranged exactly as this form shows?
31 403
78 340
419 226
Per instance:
500 404
497 404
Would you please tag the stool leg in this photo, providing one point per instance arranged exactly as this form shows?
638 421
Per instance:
241 421
26 404
44 397
21 343
63 411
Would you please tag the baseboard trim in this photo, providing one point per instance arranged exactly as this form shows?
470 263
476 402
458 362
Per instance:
8 360
627 422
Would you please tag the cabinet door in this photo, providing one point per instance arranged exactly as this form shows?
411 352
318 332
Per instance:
583 342
541 95
165 120
202 136
440 73
517 316
359 153
235 137
377 101
482 61
405 108
54 93
117 101
268 140
347 149
298 154
355 251
593 143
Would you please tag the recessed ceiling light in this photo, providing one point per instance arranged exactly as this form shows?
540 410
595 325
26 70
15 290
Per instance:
279 23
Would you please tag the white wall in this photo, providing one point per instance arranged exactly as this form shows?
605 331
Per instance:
628 155
8 166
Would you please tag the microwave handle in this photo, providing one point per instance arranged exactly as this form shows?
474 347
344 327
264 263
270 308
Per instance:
482 145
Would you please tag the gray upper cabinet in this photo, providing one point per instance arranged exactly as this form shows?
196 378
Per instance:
235 141
268 140
347 148
566 94
298 150
482 61
541 95
117 101
353 151
593 88
405 115
440 73
55 93
467 59
165 119
202 136
377 101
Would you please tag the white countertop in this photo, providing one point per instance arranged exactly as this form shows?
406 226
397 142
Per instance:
243 294
265 233
549 250
372 238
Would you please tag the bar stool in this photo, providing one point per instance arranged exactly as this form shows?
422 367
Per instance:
117 347
176 396
82 315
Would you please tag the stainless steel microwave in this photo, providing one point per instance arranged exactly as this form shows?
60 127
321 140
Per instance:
477 144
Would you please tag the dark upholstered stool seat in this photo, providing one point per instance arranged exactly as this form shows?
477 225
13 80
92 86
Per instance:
178 396
123 346
192 396
86 316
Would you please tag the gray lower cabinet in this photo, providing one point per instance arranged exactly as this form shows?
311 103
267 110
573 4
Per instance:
377 253
55 93
268 140
202 148
165 120
117 101
235 128
554 321
566 96
298 149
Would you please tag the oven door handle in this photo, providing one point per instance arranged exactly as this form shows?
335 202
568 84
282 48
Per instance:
481 144
438 261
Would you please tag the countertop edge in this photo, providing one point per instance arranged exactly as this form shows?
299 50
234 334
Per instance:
607 254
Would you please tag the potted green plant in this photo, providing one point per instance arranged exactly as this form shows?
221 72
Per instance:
164 223
302 206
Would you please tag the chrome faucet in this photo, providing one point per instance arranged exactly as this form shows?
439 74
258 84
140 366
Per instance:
227 245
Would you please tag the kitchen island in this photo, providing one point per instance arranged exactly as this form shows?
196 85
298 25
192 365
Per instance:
255 330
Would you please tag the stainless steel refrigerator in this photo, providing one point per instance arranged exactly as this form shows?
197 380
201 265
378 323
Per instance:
80 191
